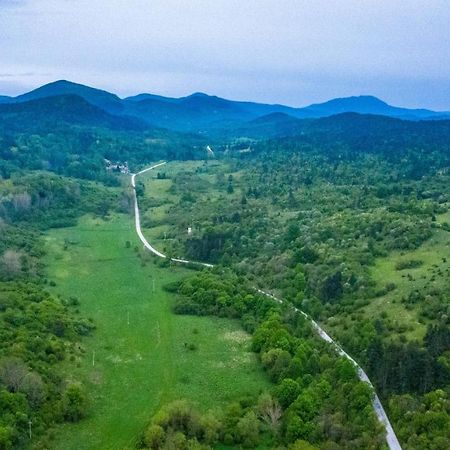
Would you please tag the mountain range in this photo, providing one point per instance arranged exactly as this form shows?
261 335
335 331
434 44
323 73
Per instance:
196 113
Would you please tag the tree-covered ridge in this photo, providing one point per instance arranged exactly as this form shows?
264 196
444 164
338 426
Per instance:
71 109
69 136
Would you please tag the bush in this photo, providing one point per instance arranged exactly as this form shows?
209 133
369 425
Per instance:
74 403
408 264
154 437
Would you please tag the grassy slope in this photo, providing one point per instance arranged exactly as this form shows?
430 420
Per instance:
139 366
433 254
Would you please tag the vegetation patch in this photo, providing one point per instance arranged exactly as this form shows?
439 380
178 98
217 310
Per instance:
408 264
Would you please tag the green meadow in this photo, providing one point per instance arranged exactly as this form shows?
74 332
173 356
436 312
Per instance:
141 355
433 259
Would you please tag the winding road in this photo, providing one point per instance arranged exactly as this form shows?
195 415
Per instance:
391 438
137 218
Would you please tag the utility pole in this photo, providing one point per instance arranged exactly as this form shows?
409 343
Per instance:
93 358
128 317
29 427
153 288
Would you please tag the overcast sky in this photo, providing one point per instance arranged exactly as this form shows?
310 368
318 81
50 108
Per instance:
286 51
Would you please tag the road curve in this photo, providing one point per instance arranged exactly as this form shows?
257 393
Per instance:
137 219
391 438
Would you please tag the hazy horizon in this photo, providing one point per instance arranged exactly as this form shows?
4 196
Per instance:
289 52
200 92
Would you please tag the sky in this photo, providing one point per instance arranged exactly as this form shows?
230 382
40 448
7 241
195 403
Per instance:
294 52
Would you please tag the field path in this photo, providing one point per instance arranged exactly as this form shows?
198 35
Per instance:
391 438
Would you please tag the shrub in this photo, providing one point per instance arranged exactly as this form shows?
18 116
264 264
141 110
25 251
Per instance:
408 264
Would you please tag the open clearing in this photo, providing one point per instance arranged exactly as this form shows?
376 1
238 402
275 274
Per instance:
434 256
141 350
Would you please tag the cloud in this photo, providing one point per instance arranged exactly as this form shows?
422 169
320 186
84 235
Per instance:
20 75
269 50
10 3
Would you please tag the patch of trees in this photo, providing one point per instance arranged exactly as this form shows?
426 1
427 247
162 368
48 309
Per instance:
44 200
422 422
210 246
208 294
37 331
396 365
316 396
401 368
245 423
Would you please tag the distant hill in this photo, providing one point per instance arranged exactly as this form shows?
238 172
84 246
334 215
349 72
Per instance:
367 104
50 112
202 99
270 126
368 133
197 112
369 126
105 100
141 97
214 116
356 125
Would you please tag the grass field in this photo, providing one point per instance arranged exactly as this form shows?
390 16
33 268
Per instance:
141 356
434 255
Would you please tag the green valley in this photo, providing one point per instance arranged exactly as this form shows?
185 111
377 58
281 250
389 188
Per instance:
145 356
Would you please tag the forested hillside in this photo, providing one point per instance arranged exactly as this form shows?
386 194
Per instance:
70 136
